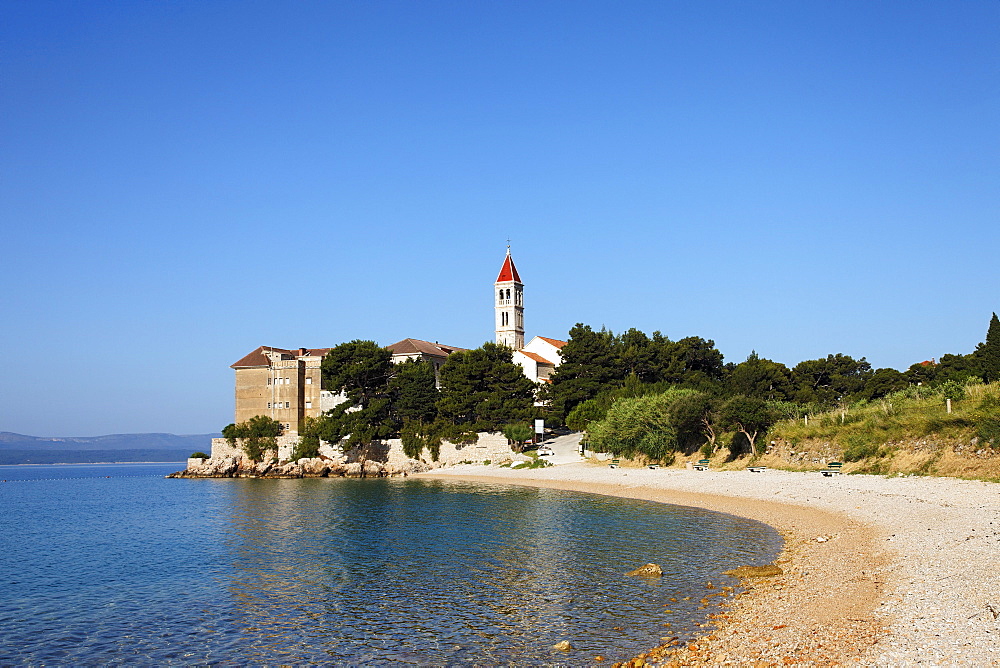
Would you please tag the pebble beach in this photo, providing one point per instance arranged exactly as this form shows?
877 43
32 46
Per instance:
880 571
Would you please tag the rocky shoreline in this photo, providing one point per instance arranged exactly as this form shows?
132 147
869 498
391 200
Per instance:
239 467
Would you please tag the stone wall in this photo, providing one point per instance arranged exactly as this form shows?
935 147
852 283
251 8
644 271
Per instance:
488 447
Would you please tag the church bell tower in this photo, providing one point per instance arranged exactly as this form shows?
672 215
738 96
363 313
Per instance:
508 294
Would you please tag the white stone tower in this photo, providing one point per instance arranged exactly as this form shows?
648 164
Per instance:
508 293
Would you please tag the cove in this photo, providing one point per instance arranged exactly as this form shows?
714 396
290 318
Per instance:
352 571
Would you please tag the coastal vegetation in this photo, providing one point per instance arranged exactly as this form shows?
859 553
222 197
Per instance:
650 398
647 397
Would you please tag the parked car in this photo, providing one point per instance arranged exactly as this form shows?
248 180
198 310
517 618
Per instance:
545 451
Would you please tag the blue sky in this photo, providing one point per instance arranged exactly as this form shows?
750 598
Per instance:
182 182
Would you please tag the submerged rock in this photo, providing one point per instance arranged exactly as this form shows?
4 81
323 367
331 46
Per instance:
755 571
562 646
647 571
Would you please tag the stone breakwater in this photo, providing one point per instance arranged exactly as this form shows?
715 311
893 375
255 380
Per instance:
239 467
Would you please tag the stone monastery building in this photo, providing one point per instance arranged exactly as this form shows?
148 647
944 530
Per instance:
285 385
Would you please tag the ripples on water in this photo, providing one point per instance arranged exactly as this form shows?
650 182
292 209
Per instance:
138 569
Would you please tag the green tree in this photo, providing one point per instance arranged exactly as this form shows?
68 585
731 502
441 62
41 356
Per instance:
988 352
361 371
256 436
417 435
761 378
308 445
636 355
518 433
831 379
750 418
483 389
883 383
691 362
690 414
414 392
589 365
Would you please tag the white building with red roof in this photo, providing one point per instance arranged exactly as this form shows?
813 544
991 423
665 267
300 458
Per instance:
540 358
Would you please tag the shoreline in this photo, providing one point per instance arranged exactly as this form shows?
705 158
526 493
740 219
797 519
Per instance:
877 571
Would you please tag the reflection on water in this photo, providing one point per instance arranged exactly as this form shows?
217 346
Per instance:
117 565
438 572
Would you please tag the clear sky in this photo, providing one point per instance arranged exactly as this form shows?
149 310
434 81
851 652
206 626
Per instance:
181 182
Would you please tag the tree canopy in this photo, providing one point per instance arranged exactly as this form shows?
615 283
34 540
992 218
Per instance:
483 389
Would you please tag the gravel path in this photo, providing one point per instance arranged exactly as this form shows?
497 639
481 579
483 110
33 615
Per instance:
881 571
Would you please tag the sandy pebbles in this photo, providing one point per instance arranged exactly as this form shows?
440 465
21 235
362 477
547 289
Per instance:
877 571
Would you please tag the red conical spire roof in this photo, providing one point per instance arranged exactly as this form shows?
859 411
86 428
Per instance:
508 272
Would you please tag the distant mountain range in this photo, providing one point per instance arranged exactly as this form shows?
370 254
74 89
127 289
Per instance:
21 449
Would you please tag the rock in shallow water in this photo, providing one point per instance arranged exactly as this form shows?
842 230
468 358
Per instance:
647 571
755 571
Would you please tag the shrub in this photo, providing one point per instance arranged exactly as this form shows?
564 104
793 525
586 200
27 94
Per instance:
518 432
199 454
952 389
259 434
584 413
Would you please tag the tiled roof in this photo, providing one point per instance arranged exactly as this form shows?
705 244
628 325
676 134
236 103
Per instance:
556 342
415 346
508 272
535 356
259 358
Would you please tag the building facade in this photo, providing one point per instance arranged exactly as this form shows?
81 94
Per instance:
286 385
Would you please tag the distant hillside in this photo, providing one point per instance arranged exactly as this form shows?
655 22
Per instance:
21 449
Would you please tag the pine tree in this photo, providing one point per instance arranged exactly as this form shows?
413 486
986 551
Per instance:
589 365
989 352
483 389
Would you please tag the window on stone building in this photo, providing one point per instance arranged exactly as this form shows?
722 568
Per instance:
288 404
269 404
268 380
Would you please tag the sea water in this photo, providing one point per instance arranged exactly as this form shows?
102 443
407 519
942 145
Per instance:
116 564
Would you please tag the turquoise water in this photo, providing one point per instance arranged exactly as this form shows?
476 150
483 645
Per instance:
115 564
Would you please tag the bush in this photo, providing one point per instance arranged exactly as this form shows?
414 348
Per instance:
259 434
952 390
591 410
518 432
197 455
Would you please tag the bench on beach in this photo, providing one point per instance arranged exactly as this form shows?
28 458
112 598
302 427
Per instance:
615 463
832 469
756 469
702 465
